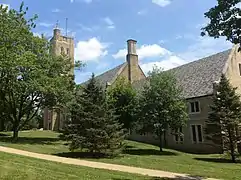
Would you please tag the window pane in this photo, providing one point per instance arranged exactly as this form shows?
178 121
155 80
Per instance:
176 138
197 106
199 129
194 138
240 69
181 138
192 107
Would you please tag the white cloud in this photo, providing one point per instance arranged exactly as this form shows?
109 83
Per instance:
161 41
161 3
169 63
145 51
238 5
205 46
109 22
37 34
56 10
5 5
152 51
90 50
142 12
87 1
44 24
120 54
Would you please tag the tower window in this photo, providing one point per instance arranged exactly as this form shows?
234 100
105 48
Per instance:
62 50
67 50
239 65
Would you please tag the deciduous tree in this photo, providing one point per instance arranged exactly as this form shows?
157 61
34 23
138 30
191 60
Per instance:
30 77
161 105
122 98
225 20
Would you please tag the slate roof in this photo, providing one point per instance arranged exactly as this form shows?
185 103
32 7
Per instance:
107 76
197 78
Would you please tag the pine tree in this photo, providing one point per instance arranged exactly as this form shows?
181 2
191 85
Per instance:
223 124
93 125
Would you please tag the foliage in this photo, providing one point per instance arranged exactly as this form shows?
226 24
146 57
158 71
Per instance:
122 98
93 125
223 124
30 77
225 20
161 105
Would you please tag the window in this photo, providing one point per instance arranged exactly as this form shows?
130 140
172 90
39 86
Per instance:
197 136
67 51
62 50
49 128
179 135
194 107
239 65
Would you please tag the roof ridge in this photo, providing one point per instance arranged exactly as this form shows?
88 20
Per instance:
203 58
110 69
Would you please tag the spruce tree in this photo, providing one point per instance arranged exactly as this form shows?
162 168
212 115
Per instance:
223 124
93 125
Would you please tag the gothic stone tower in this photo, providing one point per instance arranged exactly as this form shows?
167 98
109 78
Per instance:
53 118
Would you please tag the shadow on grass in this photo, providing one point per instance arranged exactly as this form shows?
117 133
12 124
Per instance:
175 178
29 140
4 135
216 160
147 152
83 155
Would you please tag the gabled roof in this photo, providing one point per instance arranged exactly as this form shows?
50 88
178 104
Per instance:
197 78
108 76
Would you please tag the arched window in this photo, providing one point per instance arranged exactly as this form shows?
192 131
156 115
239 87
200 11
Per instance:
67 51
62 50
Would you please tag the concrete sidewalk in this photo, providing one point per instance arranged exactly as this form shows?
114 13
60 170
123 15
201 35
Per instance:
99 165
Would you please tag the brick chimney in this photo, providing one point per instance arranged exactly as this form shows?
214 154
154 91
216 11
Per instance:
132 60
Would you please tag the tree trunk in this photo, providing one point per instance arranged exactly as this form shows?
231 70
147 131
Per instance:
15 134
160 141
2 127
165 139
232 146
233 157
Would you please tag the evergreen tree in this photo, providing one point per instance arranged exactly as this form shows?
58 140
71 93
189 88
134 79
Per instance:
223 124
122 97
93 125
161 105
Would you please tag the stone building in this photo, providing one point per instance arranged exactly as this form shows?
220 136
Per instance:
59 45
198 80
129 70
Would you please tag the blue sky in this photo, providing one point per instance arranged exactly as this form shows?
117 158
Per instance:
167 31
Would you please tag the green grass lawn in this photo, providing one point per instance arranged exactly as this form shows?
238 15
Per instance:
14 167
136 154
